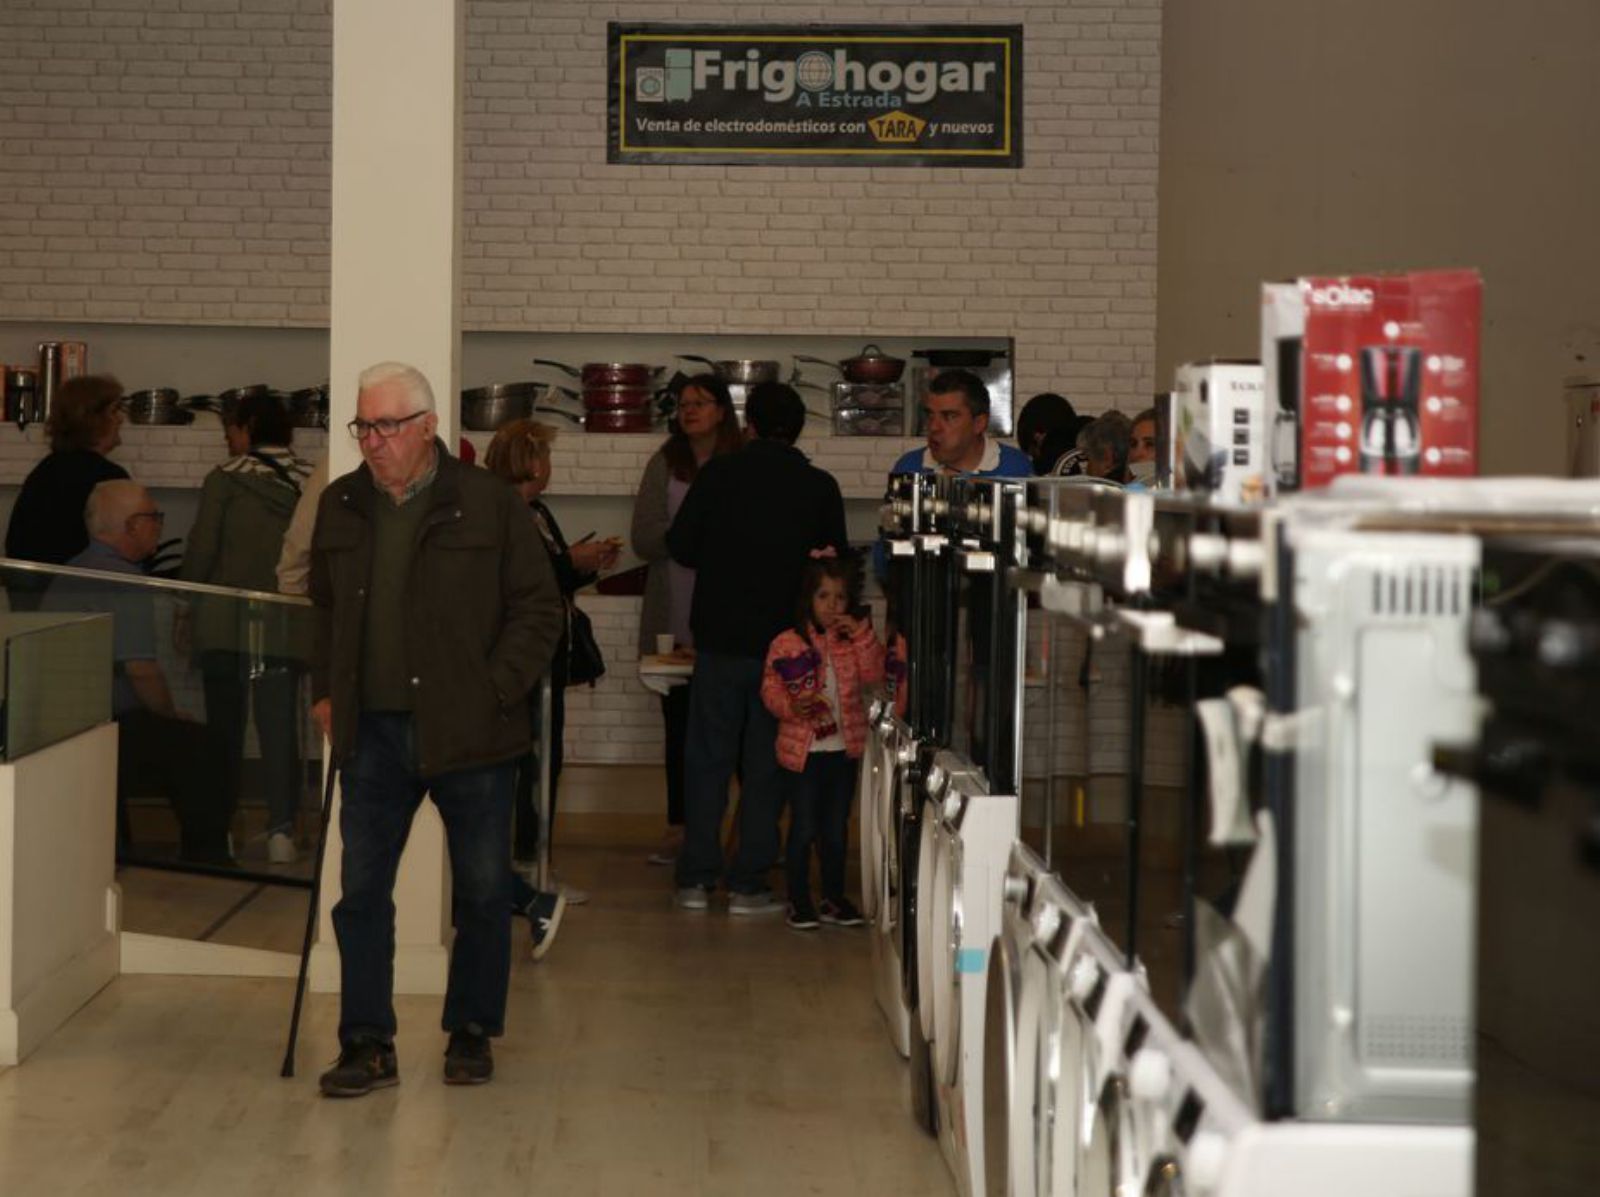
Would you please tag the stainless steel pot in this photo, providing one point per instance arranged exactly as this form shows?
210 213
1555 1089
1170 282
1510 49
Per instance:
227 401
158 405
308 407
484 409
738 371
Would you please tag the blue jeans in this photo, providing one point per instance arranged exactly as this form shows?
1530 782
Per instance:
819 812
381 793
725 711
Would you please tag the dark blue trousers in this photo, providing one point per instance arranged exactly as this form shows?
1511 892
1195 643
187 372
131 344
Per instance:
381 791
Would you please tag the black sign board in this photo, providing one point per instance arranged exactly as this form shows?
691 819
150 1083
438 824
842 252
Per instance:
948 95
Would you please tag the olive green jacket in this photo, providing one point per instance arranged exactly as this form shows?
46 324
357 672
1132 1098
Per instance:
483 614
245 507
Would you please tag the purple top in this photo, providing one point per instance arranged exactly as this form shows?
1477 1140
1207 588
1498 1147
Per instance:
680 578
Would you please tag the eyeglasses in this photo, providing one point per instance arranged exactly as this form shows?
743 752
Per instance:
385 427
160 517
695 404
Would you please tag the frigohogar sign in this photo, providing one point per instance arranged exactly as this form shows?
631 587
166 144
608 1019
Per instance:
834 96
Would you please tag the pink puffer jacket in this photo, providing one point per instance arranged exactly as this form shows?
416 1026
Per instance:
794 668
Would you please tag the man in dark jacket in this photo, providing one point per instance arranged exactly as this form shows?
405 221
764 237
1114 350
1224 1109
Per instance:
437 612
747 527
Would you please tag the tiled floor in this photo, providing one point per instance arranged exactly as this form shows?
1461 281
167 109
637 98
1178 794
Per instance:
652 1053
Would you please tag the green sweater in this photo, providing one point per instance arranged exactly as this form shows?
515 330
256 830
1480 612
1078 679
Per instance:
385 662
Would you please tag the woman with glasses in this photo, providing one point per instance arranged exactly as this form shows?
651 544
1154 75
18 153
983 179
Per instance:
85 424
705 426
520 454
245 507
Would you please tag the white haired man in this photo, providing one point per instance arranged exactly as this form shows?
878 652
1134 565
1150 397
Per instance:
437 612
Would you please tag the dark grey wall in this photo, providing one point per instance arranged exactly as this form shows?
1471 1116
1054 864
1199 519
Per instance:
1301 136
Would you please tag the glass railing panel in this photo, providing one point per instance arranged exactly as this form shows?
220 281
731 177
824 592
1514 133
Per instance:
57 678
219 764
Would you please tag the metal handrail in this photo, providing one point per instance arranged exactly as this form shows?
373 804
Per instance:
171 585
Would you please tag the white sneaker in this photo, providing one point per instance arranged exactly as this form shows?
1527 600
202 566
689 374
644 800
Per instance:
754 904
281 849
691 897
573 895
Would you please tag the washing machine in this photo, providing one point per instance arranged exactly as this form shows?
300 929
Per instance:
1003 1119
973 834
946 771
1127 1131
915 867
1087 987
1200 1123
1055 921
890 750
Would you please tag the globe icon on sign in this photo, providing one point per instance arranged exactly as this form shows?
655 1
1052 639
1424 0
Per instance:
813 70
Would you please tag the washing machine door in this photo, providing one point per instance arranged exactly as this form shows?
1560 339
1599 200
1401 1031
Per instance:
1001 981
868 787
927 867
888 821
1067 1065
1028 1146
946 953
908 831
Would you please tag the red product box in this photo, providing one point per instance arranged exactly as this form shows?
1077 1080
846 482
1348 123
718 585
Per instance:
1389 375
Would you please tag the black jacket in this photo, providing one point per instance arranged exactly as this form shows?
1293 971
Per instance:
746 527
568 580
47 521
483 614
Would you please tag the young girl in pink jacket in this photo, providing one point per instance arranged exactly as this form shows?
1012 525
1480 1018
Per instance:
812 685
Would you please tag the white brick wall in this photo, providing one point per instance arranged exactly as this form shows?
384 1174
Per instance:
617 721
167 160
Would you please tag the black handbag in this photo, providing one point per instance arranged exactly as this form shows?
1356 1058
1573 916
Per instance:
585 665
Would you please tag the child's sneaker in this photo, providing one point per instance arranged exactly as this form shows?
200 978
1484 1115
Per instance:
802 917
840 913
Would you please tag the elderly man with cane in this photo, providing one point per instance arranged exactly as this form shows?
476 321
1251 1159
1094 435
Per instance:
436 613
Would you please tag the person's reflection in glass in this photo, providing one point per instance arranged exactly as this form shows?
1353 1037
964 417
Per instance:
246 652
160 749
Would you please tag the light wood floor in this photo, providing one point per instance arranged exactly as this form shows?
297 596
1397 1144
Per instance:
652 1052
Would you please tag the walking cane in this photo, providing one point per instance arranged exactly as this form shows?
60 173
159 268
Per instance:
311 921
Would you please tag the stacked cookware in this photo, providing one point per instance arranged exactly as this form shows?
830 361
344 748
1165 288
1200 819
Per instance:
868 399
28 392
307 407
617 396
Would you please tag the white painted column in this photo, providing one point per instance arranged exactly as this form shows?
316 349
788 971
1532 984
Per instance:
397 74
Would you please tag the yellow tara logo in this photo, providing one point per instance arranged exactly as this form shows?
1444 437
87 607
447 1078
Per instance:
897 127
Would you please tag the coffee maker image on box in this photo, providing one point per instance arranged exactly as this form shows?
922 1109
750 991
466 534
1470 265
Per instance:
1391 428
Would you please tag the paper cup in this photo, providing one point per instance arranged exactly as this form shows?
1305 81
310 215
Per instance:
665 644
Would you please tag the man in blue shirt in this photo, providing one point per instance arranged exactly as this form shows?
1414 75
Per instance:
956 409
